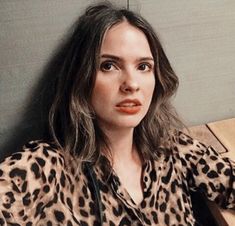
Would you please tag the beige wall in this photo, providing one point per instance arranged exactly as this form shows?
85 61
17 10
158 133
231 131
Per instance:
30 31
199 38
197 35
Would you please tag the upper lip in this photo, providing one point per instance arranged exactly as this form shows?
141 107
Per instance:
129 101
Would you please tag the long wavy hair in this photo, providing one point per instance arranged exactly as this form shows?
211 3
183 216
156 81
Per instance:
72 121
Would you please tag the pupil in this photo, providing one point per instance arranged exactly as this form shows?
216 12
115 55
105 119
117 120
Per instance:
108 66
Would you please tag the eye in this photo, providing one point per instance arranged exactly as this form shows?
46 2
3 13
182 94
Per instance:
108 66
145 67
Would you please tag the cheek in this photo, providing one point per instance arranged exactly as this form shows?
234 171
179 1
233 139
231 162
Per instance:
101 93
149 88
99 89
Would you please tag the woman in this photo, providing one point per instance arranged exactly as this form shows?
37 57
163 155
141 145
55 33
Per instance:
116 157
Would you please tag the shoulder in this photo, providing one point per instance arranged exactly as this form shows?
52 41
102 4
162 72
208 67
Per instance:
192 152
33 156
187 149
35 162
38 163
184 143
29 178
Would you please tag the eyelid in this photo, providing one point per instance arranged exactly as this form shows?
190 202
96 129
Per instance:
112 62
148 64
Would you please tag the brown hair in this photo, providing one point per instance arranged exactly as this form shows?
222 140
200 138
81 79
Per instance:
72 120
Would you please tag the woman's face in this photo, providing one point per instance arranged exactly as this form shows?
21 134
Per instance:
125 78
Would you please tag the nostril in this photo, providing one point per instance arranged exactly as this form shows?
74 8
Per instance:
129 87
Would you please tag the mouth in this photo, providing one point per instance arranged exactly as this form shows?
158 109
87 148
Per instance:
129 106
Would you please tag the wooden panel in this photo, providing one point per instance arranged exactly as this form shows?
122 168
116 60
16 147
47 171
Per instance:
225 131
204 135
229 216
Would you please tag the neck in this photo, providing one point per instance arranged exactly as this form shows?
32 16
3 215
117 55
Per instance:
122 147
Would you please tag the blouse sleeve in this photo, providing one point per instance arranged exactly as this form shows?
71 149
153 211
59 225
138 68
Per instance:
215 176
26 181
207 171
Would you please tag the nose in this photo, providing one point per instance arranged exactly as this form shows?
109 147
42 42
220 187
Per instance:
129 84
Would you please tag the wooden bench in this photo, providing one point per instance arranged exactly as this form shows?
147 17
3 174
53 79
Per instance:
220 135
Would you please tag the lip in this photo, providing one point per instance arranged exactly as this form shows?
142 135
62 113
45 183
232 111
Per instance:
136 102
129 106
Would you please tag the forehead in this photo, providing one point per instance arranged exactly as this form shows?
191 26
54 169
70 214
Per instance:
124 38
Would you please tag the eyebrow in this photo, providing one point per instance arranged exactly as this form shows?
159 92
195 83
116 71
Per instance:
117 58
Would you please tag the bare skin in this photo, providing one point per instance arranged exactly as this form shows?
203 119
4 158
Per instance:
125 74
131 178
125 154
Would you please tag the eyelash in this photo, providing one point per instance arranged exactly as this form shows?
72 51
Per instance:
150 67
105 63
113 65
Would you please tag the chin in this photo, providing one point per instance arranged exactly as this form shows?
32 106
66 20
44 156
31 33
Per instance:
121 122
129 123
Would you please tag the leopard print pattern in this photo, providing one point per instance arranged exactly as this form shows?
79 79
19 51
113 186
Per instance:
41 185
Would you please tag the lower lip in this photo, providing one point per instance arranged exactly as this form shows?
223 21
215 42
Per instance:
129 110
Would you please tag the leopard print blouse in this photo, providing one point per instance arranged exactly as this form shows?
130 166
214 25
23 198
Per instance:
41 186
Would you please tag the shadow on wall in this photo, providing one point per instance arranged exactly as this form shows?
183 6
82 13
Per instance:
34 123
